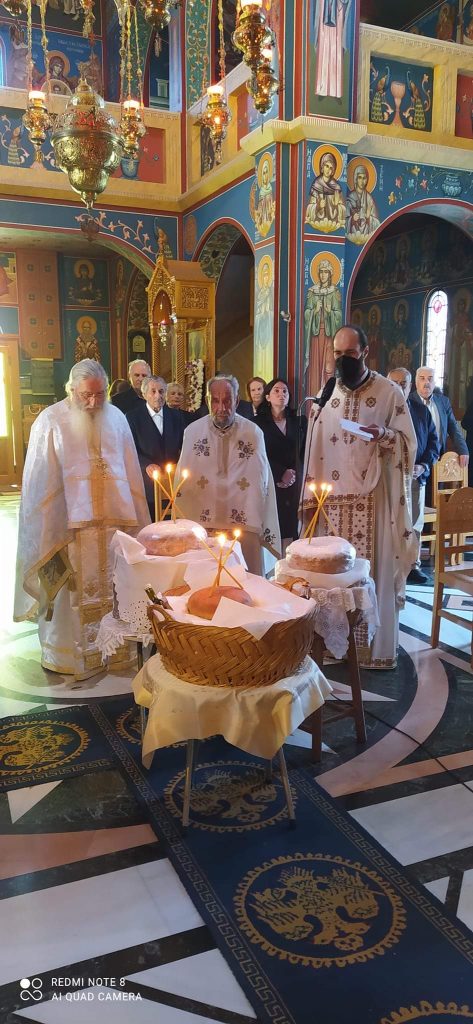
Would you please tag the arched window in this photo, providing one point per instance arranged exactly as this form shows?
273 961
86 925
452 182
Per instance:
436 334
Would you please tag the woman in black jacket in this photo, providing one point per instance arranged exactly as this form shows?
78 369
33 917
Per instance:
284 436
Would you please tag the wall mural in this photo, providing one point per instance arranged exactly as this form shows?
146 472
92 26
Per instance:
362 212
331 56
86 336
264 318
464 107
467 24
440 22
326 209
197 47
323 316
401 94
69 56
207 151
216 249
262 202
63 14
149 165
84 282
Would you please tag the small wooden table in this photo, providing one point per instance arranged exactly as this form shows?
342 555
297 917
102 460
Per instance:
338 709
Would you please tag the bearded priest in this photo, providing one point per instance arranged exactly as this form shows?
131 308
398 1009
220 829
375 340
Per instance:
370 476
81 482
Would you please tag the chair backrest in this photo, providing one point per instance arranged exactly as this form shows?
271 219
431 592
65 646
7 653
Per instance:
448 476
455 522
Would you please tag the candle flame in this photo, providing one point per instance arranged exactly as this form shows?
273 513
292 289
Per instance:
155 474
199 532
222 539
168 467
313 488
185 474
237 534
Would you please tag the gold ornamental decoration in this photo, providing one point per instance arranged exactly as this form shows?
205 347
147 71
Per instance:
87 144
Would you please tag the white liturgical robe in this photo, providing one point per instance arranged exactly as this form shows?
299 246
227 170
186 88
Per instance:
75 494
230 483
371 483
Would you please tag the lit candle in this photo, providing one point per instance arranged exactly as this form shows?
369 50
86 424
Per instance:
199 532
221 540
215 90
131 105
171 508
236 536
36 96
250 3
157 497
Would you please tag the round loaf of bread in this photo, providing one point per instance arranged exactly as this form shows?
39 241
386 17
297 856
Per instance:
321 554
168 538
205 602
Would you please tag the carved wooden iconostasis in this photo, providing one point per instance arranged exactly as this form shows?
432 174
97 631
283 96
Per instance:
181 306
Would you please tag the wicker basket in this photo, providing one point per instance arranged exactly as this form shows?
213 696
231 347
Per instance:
210 656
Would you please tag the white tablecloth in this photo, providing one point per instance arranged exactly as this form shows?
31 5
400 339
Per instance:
115 632
331 622
257 719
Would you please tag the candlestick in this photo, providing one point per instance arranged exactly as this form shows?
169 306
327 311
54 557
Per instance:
221 540
168 469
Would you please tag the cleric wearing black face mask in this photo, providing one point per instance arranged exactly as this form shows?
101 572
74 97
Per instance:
370 475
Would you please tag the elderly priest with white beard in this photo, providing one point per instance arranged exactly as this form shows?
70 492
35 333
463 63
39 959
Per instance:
81 482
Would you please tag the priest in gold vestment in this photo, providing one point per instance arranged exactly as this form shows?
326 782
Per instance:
371 480
81 482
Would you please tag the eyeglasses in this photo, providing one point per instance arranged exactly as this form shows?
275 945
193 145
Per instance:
91 394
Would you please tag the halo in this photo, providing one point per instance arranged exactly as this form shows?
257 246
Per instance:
334 262
378 247
402 302
408 243
319 152
265 261
369 168
378 314
357 317
64 60
89 320
84 263
269 159
462 293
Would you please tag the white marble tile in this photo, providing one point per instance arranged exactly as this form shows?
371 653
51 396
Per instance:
95 1008
443 823
189 977
82 919
21 801
10 707
299 738
438 887
465 903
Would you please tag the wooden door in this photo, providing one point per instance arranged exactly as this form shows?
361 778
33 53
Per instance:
11 444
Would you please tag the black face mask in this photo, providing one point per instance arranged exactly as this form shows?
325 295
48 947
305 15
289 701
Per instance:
348 369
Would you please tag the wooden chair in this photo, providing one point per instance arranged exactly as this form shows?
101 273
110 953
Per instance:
454 523
447 476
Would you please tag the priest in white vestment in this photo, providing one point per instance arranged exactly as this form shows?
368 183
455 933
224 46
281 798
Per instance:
230 483
371 480
81 482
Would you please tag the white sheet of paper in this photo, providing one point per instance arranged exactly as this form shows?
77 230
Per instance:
354 428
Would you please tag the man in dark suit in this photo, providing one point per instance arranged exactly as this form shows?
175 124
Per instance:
138 371
441 411
157 431
428 450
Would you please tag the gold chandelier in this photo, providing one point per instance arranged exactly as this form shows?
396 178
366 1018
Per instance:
15 7
252 33
217 114
263 84
158 12
88 144
132 126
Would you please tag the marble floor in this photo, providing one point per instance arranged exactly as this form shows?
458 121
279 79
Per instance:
88 892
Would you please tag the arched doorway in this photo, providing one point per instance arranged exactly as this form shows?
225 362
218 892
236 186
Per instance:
227 257
417 256
61 299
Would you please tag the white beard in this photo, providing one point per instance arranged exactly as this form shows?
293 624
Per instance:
87 424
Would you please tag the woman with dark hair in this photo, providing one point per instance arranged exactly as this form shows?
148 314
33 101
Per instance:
255 391
284 436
